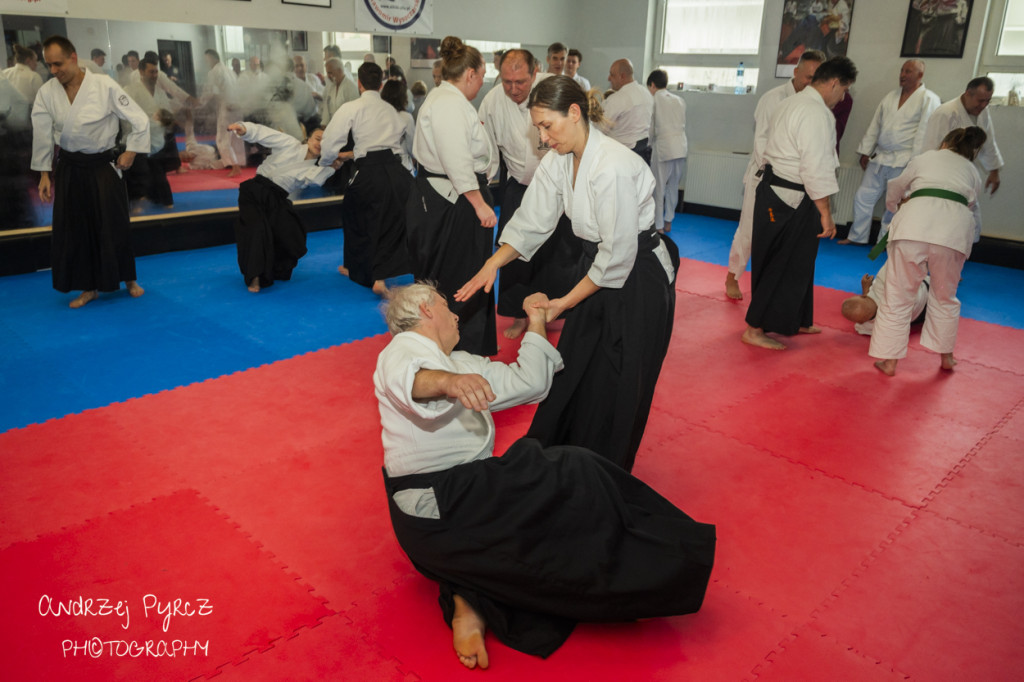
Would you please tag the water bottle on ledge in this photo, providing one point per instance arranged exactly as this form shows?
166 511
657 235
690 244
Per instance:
739 80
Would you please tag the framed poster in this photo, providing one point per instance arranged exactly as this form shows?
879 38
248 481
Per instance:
812 25
299 41
423 52
936 28
310 3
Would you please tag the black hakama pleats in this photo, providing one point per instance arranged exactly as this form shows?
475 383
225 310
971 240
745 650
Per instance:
542 538
613 345
91 244
271 237
373 216
448 246
552 269
784 246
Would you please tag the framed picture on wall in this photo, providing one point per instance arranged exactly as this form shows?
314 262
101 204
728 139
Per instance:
812 25
299 41
936 28
311 3
424 52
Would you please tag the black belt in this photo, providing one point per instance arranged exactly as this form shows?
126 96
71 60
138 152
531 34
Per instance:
85 159
647 240
480 177
376 158
772 179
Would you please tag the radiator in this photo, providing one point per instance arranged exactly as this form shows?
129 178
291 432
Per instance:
715 178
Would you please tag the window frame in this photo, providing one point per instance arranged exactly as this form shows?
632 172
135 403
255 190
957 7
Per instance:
700 59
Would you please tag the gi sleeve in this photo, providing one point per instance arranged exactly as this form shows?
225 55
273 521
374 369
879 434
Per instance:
42 135
127 110
336 134
989 156
897 187
268 137
528 379
817 158
938 126
539 212
870 139
396 373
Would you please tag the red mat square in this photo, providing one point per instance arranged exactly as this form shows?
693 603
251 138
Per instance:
988 493
943 602
66 470
791 551
900 453
175 547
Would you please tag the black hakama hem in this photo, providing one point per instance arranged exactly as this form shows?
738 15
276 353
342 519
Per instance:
448 246
784 246
373 217
270 236
91 242
542 538
613 345
552 269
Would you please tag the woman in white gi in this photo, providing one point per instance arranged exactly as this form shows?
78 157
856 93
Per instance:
617 334
271 237
449 217
932 233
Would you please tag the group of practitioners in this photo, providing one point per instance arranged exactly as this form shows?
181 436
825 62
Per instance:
917 153
556 530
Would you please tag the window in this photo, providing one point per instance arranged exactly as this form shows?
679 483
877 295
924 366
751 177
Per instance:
350 42
703 42
1002 54
487 48
719 27
1011 38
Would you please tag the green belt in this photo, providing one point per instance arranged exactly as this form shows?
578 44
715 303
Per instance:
927 192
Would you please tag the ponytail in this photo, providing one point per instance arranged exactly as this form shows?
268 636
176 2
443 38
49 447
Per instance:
965 141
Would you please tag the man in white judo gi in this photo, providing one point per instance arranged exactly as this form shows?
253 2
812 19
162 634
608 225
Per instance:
895 135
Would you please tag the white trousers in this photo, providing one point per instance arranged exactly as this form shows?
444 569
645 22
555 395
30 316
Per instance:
908 263
872 188
667 176
739 252
230 146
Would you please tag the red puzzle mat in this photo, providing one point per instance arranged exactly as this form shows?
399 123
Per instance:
869 528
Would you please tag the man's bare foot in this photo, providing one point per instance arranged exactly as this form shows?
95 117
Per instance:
515 329
84 298
732 287
886 367
342 270
134 290
254 285
948 361
756 337
810 330
235 172
865 284
468 635
668 226
380 288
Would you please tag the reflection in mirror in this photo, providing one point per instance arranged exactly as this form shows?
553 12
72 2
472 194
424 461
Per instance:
195 81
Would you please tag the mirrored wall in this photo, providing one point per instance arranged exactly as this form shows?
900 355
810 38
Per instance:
266 88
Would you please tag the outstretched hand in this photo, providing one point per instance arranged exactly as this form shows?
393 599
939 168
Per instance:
484 279
237 128
472 390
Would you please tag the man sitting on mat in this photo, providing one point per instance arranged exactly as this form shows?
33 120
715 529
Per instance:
529 543
861 310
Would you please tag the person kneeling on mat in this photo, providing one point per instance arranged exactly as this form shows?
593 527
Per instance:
531 542
271 237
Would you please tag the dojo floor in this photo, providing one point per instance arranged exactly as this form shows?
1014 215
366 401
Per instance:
215 447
